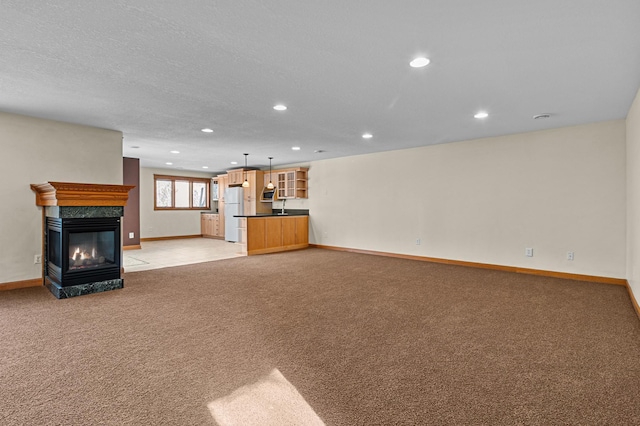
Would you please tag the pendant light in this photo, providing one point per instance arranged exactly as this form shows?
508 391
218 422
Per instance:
245 184
270 185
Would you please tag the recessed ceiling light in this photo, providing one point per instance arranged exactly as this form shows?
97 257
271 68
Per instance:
419 62
295 148
367 136
280 107
207 130
481 114
234 162
205 167
169 164
175 152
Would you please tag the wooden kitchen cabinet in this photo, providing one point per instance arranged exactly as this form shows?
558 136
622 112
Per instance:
291 183
235 177
289 231
205 225
210 225
270 177
215 189
223 184
273 234
218 227
251 195
302 230
284 190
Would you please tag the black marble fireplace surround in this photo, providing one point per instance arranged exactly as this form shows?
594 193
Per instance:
83 252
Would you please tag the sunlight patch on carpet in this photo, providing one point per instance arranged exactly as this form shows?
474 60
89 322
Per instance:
271 400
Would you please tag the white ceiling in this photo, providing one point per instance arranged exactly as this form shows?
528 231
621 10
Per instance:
159 71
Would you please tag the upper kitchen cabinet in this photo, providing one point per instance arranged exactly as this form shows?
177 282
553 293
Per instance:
215 189
235 177
291 183
251 194
223 183
222 186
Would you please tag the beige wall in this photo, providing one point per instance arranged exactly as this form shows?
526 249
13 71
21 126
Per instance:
37 151
633 197
163 223
484 200
481 201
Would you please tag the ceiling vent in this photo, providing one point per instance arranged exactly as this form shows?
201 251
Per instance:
541 116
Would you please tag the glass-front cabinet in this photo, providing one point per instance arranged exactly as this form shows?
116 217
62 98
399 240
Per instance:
291 183
215 191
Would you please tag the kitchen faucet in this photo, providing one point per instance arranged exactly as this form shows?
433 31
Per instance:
283 201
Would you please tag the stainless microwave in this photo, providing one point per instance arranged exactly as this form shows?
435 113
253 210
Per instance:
268 195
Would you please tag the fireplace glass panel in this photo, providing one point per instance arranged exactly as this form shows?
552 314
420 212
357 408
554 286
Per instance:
91 249
54 248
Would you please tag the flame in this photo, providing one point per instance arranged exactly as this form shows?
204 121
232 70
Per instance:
84 255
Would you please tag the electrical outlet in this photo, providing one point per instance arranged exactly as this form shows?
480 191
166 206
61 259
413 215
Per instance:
131 234
37 259
417 241
569 255
528 252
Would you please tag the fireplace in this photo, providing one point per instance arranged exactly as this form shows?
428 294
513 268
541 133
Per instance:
82 246
82 250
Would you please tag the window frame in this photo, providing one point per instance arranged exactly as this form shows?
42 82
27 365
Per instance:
173 179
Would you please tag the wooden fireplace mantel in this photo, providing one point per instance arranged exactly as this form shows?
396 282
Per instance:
80 194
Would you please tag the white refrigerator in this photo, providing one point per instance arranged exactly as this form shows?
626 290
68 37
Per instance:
233 205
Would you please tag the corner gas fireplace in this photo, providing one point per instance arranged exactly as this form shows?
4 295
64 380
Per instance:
82 247
82 250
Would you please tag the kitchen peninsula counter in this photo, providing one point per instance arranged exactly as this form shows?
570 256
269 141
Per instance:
272 233
288 212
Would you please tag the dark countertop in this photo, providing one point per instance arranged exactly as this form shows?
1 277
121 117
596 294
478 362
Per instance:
276 212
273 215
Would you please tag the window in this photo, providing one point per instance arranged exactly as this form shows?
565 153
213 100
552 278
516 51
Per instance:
181 193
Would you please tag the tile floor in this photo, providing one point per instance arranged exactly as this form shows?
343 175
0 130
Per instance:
162 254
